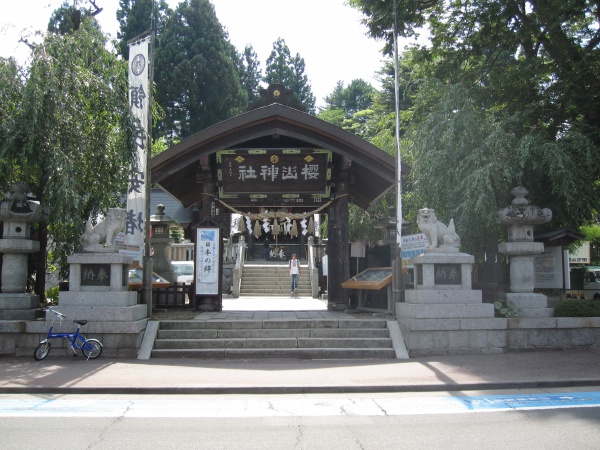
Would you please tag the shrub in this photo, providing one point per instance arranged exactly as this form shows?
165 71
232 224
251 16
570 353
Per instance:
52 295
577 308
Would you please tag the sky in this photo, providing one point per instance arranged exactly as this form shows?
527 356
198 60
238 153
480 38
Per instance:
326 33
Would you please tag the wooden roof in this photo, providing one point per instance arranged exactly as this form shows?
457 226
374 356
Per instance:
179 169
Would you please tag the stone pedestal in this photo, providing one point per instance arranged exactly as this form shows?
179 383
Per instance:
443 314
443 289
446 271
98 292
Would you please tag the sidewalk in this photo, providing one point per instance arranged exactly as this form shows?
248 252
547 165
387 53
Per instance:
565 369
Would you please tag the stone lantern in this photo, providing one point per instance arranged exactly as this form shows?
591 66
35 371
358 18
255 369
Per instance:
161 240
17 213
519 218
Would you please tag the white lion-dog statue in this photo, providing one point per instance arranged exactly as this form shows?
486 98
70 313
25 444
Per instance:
101 237
442 238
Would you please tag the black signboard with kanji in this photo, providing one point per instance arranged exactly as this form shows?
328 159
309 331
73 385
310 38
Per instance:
289 175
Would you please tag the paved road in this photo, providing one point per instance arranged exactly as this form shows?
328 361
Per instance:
42 406
520 419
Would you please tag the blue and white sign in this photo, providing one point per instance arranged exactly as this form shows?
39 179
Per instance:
413 245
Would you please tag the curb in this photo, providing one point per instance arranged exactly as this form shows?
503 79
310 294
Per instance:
272 390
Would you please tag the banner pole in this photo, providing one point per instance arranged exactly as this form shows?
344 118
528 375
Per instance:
397 272
147 273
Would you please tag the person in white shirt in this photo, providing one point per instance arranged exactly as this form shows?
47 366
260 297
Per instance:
294 272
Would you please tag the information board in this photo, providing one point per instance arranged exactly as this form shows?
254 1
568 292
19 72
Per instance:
374 278
548 269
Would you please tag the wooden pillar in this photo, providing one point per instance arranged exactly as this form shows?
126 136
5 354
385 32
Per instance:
338 256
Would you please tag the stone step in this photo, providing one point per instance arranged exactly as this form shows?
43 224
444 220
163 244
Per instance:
185 344
318 333
274 282
261 353
284 293
285 290
274 338
272 324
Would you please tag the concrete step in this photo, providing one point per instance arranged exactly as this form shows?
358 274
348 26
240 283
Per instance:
300 295
273 283
260 353
273 343
274 338
272 280
271 324
259 333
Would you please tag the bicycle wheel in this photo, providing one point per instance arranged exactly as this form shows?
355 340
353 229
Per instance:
91 349
42 351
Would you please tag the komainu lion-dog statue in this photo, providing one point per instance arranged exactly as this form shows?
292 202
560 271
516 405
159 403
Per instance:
101 237
441 237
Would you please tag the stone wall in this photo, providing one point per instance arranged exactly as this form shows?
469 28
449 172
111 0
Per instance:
425 337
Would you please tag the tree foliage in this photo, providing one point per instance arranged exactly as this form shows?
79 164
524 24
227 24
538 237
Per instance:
66 130
289 71
68 18
355 109
356 97
506 94
197 81
250 73
135 18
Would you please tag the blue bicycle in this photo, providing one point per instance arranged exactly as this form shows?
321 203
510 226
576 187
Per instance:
91 348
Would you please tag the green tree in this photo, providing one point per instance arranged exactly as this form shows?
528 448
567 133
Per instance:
67 18
290 71
196 78
353 109
279 65
357 96
505 95
250 74
350 107
66 132
135 17
466 160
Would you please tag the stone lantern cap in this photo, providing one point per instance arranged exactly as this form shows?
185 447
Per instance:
18 208
521 213
161 217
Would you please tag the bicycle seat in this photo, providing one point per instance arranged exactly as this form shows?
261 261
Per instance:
80 322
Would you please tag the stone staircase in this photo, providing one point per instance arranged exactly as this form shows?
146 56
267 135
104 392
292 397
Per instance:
274 338
272 279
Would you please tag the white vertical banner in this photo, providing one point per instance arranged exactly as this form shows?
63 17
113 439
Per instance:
207 261
138 104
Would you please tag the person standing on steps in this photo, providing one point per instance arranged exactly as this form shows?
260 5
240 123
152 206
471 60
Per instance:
294 273
266 249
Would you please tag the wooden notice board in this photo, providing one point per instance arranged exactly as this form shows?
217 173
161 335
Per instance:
372 279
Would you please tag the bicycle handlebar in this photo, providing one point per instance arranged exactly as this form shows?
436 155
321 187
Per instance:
56 313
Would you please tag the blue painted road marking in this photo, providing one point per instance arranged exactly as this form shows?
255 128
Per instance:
536 401
283 405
